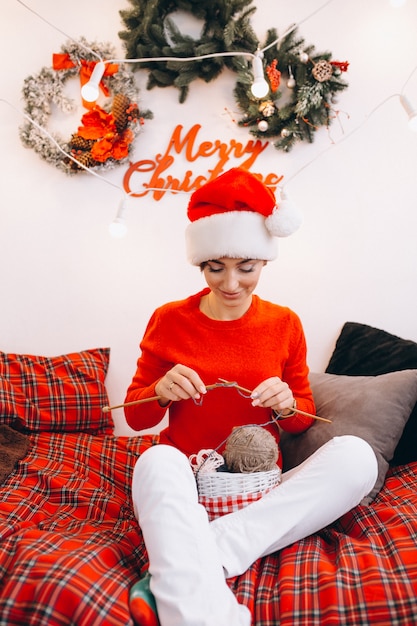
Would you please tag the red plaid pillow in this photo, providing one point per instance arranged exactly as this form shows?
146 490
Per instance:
63 394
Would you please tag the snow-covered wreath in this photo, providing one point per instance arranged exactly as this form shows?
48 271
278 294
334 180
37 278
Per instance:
106 134
303 87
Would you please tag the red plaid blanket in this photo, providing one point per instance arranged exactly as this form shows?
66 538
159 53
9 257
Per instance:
71 547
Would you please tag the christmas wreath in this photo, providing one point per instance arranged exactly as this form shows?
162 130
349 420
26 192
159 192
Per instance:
303 88
151 32
105 136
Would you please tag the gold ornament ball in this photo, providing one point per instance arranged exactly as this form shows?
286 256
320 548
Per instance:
263 126
303 57
285 133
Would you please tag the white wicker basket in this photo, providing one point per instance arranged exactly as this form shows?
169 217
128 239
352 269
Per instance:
215 484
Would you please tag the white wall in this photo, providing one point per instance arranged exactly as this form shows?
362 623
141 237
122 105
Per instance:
66 285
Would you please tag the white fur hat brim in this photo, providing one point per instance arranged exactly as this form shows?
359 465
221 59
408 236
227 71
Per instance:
233 234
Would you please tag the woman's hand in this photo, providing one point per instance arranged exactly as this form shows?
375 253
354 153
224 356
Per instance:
274 393
179 383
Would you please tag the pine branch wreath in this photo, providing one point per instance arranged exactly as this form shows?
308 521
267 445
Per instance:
105 137
151 32
303 87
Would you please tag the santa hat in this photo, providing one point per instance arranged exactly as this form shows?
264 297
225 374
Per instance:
236 216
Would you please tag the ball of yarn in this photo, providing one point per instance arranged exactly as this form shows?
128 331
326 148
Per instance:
251 449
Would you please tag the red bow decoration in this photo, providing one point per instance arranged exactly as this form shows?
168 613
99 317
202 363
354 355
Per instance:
342 65
64 62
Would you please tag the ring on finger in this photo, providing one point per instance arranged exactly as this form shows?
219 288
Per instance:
171 385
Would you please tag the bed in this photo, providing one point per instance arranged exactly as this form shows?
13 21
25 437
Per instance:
71 547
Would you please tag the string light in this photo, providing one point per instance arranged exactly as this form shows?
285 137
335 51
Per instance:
260 88
90 91
118 227
411 112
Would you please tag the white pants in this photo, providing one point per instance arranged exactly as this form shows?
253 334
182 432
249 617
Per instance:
190 557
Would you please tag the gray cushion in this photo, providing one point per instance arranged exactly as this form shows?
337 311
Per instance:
375 408
363 350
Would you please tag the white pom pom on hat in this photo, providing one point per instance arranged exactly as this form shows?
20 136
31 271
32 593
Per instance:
285 219
237 216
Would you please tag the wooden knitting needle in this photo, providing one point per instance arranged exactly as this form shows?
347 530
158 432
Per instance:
226 383
248 391
314 417
106 409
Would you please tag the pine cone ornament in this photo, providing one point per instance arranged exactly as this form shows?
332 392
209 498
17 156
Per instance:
79 143
267 108
84 158
120 111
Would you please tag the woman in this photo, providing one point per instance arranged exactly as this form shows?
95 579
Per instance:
226 332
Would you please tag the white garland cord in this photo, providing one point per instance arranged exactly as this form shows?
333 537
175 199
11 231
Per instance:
184 59
48 134
204 56
59 30
305 166
70 156
347 136
295 26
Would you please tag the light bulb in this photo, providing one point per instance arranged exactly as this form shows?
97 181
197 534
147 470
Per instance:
259 87
118 227
90 91
412 123
411 112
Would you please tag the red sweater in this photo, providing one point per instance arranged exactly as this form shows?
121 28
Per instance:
267 341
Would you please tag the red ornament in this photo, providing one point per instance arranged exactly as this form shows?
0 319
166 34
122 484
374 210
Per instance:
274 75
342 65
